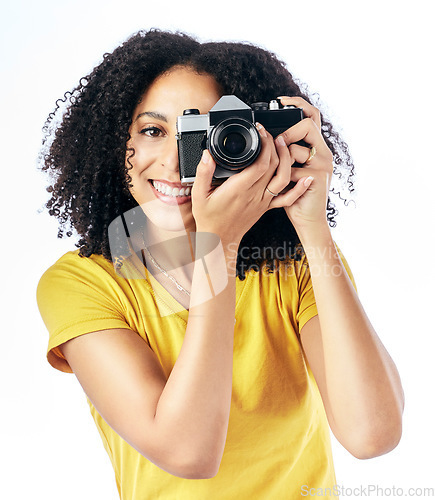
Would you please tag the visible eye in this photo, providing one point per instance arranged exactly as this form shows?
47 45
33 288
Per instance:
151 132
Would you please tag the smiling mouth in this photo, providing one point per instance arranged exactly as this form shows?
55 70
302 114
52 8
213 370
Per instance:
173 192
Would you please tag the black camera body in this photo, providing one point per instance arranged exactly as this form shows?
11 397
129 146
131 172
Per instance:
228 131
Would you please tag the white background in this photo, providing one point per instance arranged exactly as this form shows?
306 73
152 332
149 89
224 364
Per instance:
371 62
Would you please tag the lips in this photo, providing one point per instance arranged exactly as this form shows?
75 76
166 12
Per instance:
172 193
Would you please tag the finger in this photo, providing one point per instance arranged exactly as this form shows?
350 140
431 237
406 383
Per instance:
306 130
269 159
310 111
282 176
290 197
263 168
204 175
322 178
302 155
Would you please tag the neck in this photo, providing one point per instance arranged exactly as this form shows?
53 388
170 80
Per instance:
173 250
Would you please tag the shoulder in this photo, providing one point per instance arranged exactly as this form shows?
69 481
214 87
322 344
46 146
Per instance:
72 263
74 280
78 295
72 269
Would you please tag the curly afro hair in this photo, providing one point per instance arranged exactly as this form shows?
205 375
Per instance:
85 139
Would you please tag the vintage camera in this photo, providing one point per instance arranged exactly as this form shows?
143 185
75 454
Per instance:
228 131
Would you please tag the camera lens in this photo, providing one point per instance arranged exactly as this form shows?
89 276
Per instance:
234 143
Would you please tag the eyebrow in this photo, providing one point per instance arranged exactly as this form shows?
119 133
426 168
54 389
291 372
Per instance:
153 114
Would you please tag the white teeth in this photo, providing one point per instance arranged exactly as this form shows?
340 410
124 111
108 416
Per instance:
170 191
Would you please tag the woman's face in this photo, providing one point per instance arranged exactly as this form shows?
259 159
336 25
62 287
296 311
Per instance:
155 175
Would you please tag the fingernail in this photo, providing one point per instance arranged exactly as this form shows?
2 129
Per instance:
280 140
205 156
261 129
308 181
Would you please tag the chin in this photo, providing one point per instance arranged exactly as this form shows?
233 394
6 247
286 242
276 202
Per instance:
168 217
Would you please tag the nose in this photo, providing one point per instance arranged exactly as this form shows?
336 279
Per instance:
169 158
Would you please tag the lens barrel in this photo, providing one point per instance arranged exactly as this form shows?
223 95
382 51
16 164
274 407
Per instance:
234 143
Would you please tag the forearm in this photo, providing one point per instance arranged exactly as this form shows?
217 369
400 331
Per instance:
361 381
193 410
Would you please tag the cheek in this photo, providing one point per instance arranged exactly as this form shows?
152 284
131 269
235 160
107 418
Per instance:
138 162
130 161
139 158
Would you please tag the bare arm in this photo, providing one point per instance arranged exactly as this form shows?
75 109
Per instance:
358 381
180 424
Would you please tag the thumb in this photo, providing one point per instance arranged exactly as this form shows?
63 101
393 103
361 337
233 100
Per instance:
204 174
292 195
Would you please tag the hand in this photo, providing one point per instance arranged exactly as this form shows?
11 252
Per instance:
308 210
232 208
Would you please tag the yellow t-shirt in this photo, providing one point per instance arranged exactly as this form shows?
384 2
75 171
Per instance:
278 437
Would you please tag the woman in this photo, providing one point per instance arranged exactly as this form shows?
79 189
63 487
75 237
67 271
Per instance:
226 333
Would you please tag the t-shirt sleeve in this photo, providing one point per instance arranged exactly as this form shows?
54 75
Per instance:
307 301
76 296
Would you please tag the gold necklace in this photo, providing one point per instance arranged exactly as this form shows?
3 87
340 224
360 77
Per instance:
160 268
